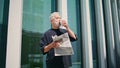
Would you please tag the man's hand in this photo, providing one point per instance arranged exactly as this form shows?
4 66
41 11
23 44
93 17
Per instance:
56 44
70 32
65 24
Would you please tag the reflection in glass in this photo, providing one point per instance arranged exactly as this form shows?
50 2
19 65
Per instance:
35 22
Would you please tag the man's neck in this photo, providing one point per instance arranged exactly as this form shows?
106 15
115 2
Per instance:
55 28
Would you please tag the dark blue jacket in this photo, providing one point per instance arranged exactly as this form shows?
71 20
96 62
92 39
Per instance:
47 39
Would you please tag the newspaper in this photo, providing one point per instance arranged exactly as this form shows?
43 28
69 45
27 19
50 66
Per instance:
65 47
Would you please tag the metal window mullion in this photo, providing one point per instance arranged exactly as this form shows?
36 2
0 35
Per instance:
13 53
109 34
86 35
116 30
100 34
62 8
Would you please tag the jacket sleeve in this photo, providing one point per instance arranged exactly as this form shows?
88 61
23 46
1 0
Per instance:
43 43
72 39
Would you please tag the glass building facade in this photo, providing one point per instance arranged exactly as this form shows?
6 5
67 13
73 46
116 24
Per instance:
95 22
4 10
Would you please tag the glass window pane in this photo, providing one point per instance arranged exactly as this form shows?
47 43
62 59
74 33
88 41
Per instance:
1 23
1 10
4 9
74 25
35 22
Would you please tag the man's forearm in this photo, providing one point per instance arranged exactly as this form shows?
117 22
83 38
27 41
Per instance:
71 33
49 47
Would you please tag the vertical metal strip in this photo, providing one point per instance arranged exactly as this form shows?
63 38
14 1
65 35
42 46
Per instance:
100 34
109 34
86 34
116 30
14 34
62 8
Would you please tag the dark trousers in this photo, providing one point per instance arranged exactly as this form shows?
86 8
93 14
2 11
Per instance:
56 62
55 65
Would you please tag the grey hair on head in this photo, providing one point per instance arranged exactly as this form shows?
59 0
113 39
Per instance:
52 15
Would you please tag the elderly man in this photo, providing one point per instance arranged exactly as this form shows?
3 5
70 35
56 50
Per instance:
47 44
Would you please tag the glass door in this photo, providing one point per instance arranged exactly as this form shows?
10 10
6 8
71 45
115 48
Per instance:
34 23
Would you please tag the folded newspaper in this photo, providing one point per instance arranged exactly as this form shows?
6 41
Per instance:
65 47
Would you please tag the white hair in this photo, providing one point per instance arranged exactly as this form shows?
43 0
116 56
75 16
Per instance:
53 15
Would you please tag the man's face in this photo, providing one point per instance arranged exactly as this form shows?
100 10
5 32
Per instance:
56 21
